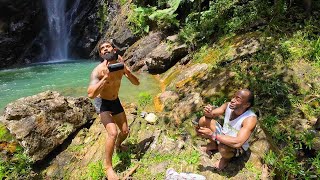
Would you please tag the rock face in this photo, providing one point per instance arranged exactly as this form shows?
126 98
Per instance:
136 54
20 23
154 55
92 17
187 106
118 31
43 121
168 99
164 57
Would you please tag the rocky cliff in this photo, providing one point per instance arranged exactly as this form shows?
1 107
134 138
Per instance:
20 25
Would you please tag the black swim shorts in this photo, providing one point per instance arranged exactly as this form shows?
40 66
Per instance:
102 105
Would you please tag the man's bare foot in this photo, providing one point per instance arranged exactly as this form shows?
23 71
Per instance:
209 147
221 164
122 148
111 174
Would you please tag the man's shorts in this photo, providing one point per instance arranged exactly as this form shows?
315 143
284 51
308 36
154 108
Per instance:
102 105
238 152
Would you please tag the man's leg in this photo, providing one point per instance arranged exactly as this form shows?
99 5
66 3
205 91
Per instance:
112 133
211 124
227 153
121 121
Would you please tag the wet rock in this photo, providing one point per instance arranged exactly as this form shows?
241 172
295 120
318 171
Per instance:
43 121
301 70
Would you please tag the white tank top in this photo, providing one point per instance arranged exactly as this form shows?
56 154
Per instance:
232 128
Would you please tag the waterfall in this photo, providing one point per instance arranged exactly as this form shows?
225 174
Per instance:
59 22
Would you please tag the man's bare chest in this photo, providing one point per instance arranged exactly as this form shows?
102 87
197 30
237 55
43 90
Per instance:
113 78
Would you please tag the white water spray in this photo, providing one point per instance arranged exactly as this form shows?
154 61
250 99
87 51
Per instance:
59 22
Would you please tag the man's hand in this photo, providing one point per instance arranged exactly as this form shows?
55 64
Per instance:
205 132
207 110
120 59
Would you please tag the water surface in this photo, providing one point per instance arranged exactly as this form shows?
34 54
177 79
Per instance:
70 78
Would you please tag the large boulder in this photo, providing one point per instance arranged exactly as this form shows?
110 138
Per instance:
43 121
165 56
136 54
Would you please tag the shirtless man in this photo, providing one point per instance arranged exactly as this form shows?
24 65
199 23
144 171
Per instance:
231 140
104 87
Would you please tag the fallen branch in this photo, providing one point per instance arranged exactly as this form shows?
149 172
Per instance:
130 172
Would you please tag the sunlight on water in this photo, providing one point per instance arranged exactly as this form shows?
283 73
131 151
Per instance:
70 78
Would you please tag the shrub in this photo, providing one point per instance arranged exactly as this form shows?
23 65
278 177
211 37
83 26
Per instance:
142 19
17 167
144 99
138 19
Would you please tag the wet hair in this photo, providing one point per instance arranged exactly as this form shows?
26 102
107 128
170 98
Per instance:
250 97
110 56
110 41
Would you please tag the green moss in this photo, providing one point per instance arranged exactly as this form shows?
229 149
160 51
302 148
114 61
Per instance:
64 130
95 171
5 134
16 167
250 167
76 148
103 15
123 2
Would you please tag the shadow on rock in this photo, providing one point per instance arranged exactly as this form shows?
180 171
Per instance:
235 165
142 147
138 149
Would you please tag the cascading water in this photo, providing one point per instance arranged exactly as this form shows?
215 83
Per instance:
58 47
59 22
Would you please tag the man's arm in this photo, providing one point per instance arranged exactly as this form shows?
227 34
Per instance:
132 78
212 113
243 135
96 85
